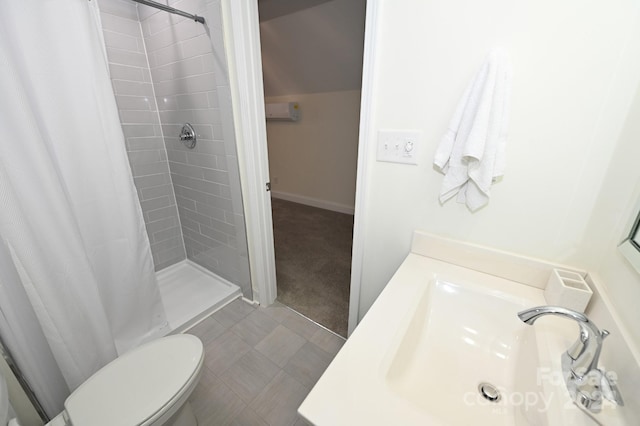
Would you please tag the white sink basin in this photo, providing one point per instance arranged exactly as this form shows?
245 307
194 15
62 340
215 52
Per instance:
458 337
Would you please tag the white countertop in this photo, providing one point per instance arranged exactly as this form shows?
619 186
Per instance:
353 389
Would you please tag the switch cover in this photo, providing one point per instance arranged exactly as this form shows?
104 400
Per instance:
399 146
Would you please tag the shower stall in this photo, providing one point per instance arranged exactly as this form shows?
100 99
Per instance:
168 71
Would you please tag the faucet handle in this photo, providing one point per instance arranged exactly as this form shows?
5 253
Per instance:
576 349
604 334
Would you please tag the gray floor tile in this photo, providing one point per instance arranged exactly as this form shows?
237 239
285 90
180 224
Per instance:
301 325
280 345
327 341
216 404
254 327
301 422
277 311
207 330
278 403
248 417
261 385
222 352
249 375
233 313
308 364
207 378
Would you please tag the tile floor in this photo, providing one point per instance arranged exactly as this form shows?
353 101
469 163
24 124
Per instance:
260 364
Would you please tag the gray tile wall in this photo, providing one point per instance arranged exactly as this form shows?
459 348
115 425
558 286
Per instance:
191 83
166 71
134 92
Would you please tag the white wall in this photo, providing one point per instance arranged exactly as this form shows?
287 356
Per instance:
617 206
314 159
575 73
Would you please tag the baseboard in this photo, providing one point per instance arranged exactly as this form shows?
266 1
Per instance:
313 202
253 303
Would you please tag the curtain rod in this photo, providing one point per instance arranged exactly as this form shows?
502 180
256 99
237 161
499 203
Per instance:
170 10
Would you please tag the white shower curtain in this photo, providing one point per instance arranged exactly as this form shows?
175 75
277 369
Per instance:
68 209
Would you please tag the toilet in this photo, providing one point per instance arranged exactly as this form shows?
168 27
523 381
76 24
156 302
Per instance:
147 386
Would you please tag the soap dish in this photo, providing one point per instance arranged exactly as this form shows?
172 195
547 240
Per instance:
567 289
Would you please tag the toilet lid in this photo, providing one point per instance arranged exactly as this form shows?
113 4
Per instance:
134 387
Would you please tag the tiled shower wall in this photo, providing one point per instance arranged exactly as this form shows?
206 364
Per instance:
189 79
132 85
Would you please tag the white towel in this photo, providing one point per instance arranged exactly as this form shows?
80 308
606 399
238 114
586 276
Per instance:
472 152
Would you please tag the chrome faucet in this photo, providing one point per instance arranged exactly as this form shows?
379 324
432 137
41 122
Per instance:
587 384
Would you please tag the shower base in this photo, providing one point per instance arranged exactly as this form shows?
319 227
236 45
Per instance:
190 293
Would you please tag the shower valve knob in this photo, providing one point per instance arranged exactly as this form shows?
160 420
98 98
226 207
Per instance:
188 136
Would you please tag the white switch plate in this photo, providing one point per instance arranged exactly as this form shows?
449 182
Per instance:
399 146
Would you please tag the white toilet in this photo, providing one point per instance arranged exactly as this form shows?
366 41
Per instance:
149 385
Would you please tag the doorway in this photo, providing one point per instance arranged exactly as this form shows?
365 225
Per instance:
312 58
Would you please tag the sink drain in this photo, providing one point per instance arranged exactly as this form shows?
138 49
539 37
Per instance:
489 392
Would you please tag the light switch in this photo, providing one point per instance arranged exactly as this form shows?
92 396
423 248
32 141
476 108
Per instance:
399 146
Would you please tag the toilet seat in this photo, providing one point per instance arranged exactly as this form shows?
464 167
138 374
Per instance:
140 387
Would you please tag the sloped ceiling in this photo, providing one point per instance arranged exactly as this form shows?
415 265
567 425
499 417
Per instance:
316 49
270 9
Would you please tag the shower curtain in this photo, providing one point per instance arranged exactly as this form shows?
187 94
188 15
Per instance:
74 246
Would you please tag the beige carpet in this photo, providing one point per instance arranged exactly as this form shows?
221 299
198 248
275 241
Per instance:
313 262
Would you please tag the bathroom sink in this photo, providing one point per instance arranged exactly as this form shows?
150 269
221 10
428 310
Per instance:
438 346
464 357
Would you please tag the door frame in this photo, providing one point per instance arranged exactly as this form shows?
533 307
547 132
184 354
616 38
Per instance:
242 46
242 41
366 152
